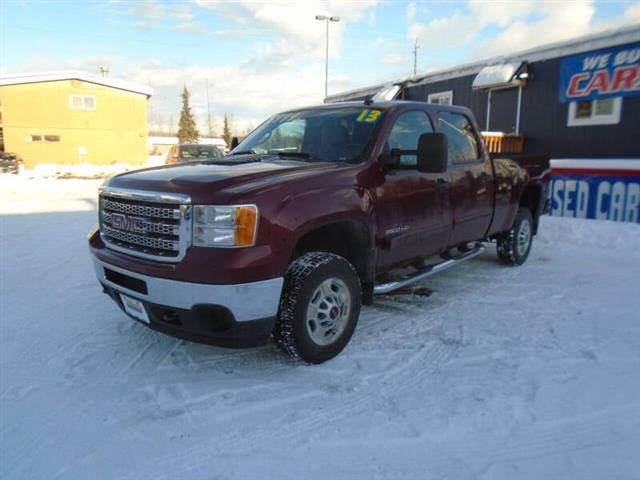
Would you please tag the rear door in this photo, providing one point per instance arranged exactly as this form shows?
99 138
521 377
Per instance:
412 207
472 182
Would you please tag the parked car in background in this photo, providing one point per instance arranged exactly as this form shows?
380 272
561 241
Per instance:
10 163
188 152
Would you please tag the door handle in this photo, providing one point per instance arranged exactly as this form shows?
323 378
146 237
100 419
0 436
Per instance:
442 183
484 178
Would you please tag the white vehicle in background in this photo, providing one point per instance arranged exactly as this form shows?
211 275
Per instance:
217 142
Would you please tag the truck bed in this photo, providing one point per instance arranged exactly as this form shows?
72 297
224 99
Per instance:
538 165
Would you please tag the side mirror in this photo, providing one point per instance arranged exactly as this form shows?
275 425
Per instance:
432 153
389 157
234 142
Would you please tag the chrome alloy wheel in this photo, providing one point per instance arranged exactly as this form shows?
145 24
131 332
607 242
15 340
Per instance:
523 237
328 311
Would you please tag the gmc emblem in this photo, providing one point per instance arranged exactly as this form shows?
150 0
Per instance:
126 222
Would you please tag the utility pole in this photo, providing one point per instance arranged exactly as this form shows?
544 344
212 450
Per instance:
327 19
416 46
209 113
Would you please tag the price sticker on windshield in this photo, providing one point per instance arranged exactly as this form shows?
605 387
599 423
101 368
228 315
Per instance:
369 116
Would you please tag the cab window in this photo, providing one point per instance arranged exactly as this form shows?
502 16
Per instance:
405 134
463 145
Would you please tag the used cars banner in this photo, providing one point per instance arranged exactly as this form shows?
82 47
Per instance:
603 189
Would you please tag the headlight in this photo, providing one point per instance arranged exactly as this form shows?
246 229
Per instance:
225 226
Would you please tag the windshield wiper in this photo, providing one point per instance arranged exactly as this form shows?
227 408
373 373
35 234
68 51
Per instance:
244 152
282 154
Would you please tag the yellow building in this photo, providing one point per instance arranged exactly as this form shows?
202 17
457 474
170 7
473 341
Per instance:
73 117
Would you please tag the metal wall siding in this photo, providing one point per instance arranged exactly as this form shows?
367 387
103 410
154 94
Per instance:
543 120
463 94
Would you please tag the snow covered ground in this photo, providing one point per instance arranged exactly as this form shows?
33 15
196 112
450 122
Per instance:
499 373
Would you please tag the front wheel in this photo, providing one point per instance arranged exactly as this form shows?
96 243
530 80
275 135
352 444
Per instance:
319 308
514 245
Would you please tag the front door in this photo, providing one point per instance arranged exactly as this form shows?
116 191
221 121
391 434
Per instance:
412 208
472 185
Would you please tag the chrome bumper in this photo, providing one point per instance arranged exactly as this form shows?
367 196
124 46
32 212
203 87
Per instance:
247 301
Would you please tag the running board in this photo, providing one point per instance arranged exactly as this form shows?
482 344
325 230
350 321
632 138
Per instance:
433 269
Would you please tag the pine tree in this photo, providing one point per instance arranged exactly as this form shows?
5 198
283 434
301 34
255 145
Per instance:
226 131
187 130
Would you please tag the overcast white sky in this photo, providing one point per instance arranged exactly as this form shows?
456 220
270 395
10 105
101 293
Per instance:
262 57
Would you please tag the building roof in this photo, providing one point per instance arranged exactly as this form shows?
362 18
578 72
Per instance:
22 78
609 38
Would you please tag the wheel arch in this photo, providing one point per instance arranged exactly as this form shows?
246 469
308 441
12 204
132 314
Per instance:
533 198
347 237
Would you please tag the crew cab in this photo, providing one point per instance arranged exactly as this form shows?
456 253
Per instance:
307 219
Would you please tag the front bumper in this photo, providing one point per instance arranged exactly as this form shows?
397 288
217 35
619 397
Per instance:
240 315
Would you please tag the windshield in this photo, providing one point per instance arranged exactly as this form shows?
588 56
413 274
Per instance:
335 135
197 152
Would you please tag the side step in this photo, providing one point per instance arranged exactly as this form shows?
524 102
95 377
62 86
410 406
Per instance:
427 272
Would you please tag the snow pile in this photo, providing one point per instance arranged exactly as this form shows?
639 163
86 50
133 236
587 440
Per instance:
486 372
86 170
21 195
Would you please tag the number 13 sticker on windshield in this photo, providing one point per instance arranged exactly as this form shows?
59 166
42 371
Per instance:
369 116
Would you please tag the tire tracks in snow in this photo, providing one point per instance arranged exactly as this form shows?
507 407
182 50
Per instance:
336 398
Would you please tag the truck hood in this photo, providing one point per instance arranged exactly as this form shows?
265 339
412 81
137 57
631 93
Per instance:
221 179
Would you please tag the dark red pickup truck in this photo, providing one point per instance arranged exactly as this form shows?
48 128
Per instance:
307 219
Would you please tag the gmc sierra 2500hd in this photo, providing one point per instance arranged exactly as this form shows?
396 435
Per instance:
304 220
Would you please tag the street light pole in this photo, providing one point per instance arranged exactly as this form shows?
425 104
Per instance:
327 19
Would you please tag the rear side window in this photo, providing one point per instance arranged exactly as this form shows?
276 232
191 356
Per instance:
463 145
405 134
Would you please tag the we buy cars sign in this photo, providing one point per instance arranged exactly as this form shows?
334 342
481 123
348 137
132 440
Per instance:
614 72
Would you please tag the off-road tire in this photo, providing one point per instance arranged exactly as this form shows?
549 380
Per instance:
511 248
304 276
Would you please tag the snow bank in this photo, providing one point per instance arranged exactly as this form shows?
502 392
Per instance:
486 372
22 195
82 170
600 234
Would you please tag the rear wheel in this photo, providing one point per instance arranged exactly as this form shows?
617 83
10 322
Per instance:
514 245
319 308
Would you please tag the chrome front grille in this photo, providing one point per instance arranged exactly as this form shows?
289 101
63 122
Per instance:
142 210
150 225
145 242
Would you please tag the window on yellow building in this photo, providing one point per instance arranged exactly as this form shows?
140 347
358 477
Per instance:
82 102
40 138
